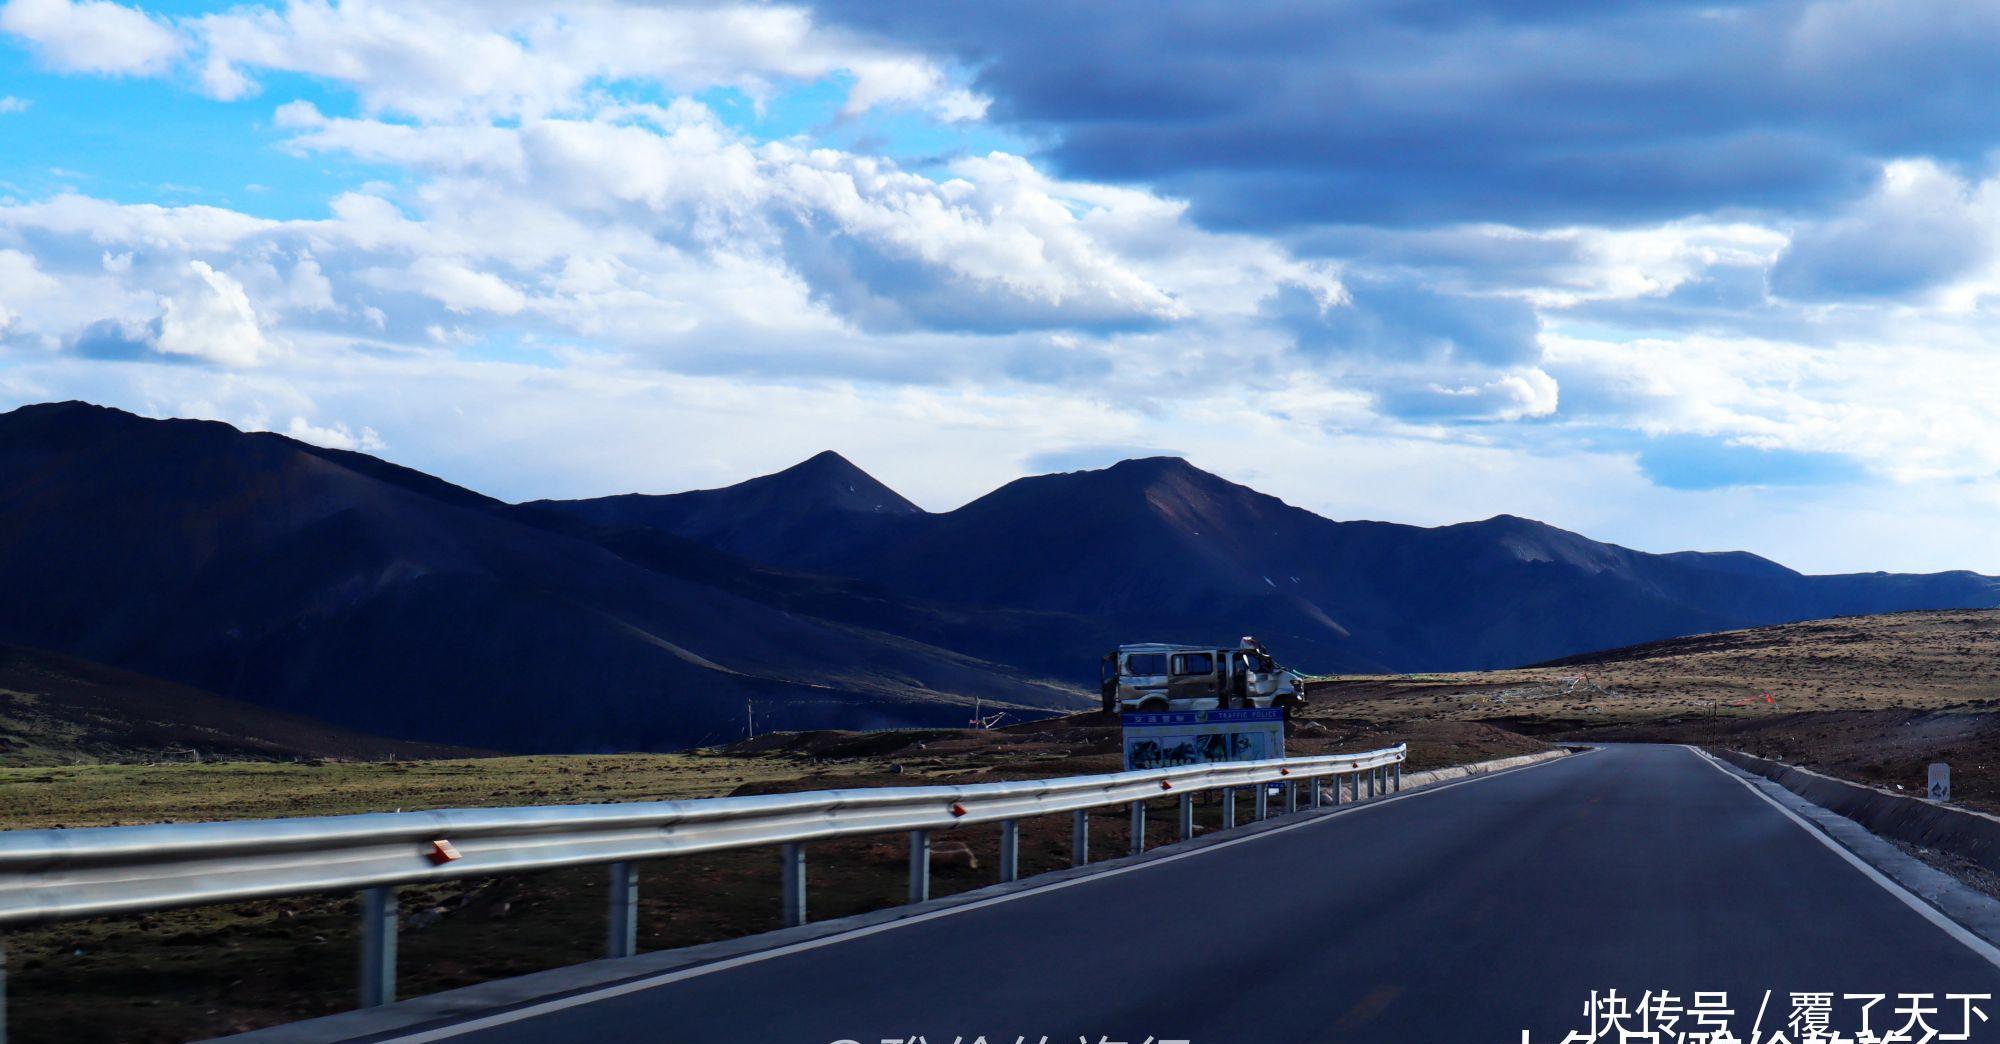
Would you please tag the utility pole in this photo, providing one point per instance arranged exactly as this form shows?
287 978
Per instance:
749 719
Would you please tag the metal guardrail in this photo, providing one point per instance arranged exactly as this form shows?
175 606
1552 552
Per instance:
53 875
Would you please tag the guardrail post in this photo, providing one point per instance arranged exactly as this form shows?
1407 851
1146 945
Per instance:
621 936
1262 803
920 865
794 895
1138 827
378 946
1079 838
1187 815
1354 787
1399 777
1010 850
1291 796
1372 773
1314 784
1228 808
3 991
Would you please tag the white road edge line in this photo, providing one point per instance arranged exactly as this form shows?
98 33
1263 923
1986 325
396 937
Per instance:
682 974
1930 913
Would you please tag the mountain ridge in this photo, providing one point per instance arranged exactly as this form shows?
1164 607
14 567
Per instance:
336 584
1167 548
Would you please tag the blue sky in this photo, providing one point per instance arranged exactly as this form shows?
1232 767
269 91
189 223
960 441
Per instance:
1701 276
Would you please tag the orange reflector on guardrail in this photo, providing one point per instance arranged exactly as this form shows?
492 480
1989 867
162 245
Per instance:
1164 785
442 852
957 809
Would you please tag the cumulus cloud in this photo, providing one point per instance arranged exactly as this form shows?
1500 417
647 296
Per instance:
1272 115
93 36
9 103
1403 319
1514 396
201 315
211 319
1921 227
335 436
443 60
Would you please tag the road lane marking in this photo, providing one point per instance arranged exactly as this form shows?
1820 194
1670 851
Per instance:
1930 913
592 996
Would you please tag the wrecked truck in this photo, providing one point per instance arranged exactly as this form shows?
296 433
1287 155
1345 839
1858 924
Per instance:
1158 676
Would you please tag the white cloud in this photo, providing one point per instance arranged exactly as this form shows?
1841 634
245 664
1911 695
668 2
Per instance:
1922 227
211 320
9 103
335 436
460 289
94 36
1903 407
442 60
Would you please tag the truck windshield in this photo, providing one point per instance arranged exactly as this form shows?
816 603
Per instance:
1146 663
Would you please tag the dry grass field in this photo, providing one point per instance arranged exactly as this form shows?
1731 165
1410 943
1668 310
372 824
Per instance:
1872 698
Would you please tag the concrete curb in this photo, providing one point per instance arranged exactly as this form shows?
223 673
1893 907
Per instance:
1918 821
1479 768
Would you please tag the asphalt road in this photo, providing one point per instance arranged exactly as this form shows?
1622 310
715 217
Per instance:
1470 913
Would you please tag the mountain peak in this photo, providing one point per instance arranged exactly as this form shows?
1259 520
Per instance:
70 414
787 517
1153 466
834 481
824 464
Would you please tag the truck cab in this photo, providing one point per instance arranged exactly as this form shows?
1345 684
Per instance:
1158 676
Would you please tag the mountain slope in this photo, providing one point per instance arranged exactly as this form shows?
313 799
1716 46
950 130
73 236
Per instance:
60 710
341 586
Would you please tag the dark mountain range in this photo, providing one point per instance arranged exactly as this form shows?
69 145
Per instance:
373 596
338 585
1165 550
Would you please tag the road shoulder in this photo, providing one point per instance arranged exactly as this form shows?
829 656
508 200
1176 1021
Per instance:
1960 903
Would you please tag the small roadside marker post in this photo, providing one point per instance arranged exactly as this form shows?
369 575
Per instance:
920 865
1010 850
1940 782
378 946
794 884
621 937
